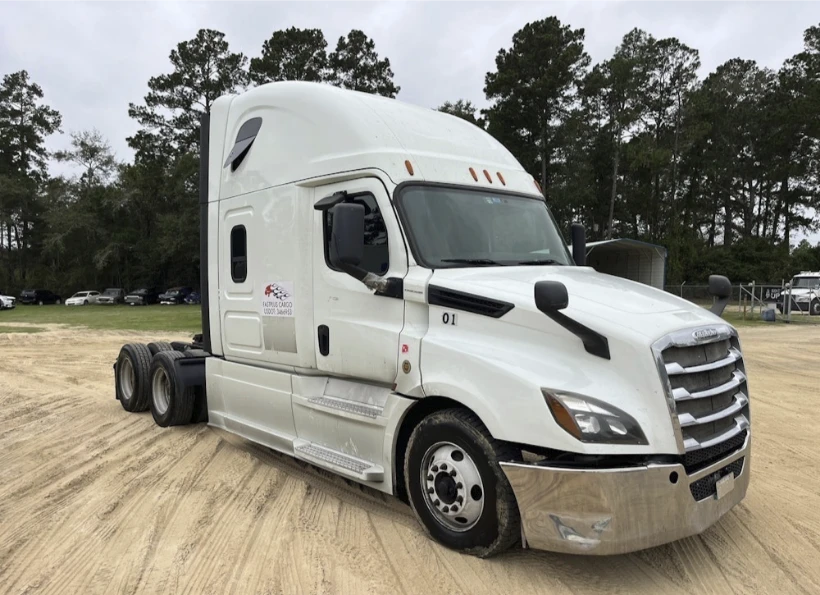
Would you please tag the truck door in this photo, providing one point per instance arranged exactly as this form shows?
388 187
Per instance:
357 332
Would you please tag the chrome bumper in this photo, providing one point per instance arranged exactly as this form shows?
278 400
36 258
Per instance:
615 511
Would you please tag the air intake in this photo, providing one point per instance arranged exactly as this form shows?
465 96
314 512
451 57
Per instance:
467 302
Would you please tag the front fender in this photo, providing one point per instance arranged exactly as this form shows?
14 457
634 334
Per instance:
499 375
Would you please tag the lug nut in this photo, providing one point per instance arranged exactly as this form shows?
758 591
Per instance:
430 490
435 469
454 508
445 509
460 499
436 502
444 466
453 473
429 477
459 486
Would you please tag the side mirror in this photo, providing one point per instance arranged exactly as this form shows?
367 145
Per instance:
551 296
721 288
579 244
347 239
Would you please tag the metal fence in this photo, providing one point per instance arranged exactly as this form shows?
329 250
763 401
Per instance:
750 299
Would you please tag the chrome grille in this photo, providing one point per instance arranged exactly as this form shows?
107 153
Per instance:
706 388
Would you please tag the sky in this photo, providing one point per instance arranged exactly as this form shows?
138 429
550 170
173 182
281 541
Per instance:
92 59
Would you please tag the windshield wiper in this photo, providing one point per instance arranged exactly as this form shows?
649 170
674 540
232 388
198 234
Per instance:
538 261
484 261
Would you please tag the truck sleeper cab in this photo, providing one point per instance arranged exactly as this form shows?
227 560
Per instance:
386 295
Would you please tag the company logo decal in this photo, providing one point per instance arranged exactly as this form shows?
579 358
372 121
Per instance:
278 299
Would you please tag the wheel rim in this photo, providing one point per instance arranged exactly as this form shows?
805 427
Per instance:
127 379
452 487
161 391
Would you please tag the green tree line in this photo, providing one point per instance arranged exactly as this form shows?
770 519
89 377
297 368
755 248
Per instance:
723 170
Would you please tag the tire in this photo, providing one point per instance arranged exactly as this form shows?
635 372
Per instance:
58 302
40 303
131 377
457 437
170 405
85 302
814 308
158 346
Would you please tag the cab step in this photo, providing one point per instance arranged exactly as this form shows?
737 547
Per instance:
338 461
354 407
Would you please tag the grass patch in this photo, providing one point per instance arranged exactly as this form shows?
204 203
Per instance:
20 329
183 318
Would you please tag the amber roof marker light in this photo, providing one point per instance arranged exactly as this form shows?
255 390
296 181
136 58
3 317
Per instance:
409 167
475 176
501 178
488 176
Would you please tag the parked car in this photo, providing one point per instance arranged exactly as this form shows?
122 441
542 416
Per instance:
83 298
39 297
193 298
112 296
175 295
6 301
142 297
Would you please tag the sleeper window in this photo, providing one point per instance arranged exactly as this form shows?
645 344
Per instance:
239 254
375 258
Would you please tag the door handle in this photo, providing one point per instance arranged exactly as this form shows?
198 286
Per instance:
324 339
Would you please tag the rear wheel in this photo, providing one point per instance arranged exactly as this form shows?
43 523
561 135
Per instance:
814 308
131 377
456 486
171 405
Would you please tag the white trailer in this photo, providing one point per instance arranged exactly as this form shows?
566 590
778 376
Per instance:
386 295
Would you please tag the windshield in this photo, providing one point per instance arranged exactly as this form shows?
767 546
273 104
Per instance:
80 294
111 292
806 282
454 227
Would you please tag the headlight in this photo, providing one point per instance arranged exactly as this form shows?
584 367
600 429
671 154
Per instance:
591 420
801 298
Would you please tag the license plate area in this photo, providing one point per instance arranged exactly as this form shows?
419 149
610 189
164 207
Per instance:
724 485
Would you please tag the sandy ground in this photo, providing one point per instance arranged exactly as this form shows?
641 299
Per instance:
97 500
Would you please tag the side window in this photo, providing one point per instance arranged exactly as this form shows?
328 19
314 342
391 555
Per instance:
376 258
239 254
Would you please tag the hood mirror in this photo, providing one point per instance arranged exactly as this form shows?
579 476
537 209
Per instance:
721 288
551 296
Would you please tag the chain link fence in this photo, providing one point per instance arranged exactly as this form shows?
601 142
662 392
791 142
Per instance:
749 299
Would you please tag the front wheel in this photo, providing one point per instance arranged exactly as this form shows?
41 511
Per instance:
814 308
40 303
456 486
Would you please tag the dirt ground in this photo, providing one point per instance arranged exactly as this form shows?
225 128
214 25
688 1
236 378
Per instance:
97 500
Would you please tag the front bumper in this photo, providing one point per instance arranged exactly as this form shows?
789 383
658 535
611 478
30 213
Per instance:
616 511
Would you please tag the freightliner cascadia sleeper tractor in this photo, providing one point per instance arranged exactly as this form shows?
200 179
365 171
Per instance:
386 295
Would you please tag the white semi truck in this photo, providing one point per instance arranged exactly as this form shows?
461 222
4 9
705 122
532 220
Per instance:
386 296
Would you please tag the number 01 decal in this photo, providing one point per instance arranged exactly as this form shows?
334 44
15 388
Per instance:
449 318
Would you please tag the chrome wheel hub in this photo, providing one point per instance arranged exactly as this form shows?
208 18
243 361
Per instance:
127 379
452 486
161 391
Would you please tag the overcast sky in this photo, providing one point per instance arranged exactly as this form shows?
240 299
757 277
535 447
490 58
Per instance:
92 59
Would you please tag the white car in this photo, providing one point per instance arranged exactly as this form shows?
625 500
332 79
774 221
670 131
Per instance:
6 302
83 298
